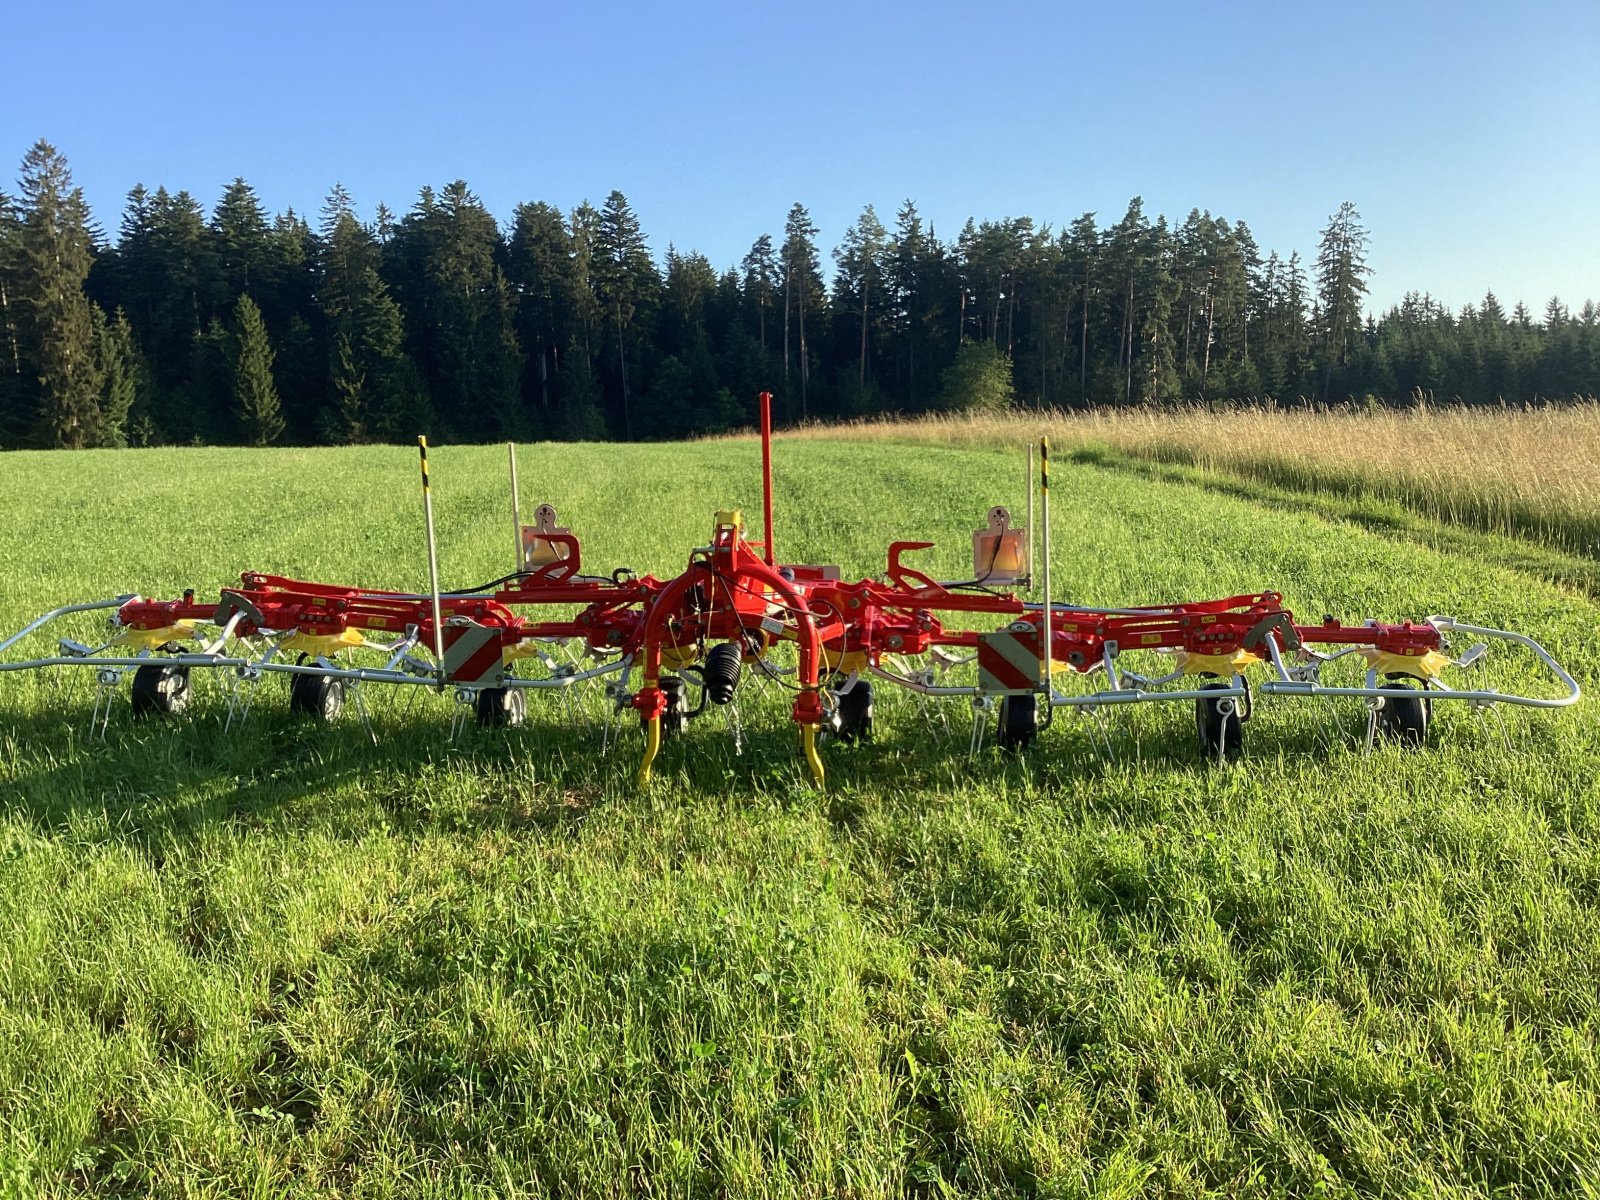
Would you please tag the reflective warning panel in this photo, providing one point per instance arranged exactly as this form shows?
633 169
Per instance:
472 653
1008 661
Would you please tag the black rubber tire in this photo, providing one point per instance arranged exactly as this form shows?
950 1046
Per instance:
1404 717
320 697
1019 721
675 717
855 713
160 691
1216 729
501 708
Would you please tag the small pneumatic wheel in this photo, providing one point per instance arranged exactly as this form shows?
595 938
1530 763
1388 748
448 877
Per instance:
501 707
1219 724
1405 715
160 691
318 696
1019 721
675 717
853 715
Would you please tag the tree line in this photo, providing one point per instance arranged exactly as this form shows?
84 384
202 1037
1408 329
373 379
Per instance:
238 327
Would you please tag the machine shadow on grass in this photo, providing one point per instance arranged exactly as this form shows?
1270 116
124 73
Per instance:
157 781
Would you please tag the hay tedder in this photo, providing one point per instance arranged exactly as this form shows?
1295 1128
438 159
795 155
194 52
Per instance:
664 649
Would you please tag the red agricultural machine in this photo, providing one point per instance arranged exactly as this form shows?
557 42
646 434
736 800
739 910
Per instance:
737 610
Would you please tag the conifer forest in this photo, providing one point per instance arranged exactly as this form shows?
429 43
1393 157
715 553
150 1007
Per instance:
234 326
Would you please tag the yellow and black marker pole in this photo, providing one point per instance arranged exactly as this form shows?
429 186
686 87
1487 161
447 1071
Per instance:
433 563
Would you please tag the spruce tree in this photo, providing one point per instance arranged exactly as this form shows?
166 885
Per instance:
58 339
859 282
243 240
443 264
802 293
626 284
254 396
904 285
373 380
1341 282
119 368
540 272
760 277
14 408
347 423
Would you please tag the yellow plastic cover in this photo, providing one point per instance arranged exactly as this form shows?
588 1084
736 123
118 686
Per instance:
323 645
844 661
675 658
1427 665
149 639
1216 664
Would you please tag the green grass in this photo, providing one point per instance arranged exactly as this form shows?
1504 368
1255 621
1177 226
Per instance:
287 962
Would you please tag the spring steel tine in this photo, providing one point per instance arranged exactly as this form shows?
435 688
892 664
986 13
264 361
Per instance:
609 724
102 701
361 709
1505 732
248 695
575 713
980 724
1102 722
1091 718
1328 728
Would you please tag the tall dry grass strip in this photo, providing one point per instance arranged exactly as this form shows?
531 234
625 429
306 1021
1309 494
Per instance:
1531 473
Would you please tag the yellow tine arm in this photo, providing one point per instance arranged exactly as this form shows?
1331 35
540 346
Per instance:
808 740
652 747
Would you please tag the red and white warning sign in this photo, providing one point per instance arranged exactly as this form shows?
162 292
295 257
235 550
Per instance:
1008 661
472 653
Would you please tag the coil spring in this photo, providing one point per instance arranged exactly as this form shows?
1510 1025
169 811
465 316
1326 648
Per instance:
723 664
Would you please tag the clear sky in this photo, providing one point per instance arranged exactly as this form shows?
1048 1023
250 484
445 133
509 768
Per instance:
1467 133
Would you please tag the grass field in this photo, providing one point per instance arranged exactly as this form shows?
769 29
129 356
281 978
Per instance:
287 962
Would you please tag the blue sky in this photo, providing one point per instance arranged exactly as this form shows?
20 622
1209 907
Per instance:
1465 132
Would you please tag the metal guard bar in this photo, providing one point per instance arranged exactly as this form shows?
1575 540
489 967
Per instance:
1088 700
201 659
1287 685
64 610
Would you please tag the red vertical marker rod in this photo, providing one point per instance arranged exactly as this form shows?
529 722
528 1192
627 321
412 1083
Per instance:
766 476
